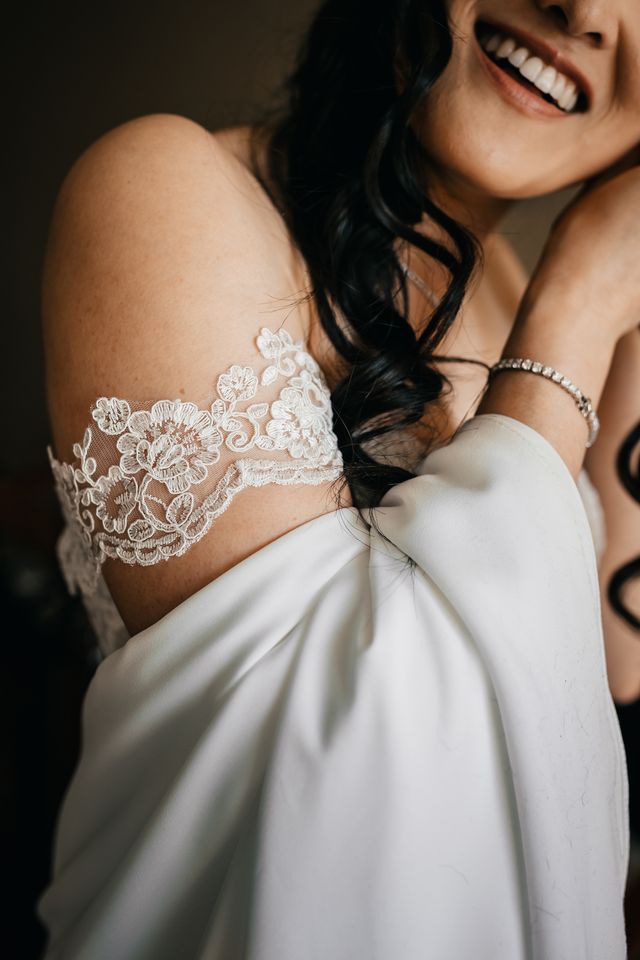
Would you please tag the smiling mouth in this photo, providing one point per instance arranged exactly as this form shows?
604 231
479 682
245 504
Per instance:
484 30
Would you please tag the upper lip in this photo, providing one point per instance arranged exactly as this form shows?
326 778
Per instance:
546 52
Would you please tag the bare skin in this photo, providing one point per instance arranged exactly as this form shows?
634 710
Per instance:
479 333
147 235
136 300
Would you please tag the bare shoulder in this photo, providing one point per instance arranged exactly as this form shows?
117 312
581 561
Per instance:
160 185
161 246
164 259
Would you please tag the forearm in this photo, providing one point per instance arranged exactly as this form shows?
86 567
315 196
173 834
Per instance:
619 412
578 348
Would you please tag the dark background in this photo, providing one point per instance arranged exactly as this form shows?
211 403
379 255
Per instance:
73 71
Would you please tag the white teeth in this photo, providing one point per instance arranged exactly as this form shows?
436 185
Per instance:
545 77
532 68
558 86
567 93
506 47
518 57
569 96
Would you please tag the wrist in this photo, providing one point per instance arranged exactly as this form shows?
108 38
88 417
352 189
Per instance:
571 338
581 351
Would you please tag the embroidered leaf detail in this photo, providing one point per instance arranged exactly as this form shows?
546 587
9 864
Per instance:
258 410
268 376
180 509
140 530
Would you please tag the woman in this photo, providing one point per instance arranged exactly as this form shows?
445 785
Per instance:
369 715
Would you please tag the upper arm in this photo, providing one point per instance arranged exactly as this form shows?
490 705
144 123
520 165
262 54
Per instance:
160 270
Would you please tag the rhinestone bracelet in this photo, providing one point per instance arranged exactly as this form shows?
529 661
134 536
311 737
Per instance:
583 403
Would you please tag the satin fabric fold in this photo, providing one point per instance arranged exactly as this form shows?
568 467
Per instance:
331 752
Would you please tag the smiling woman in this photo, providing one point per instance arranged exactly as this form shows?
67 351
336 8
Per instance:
371 722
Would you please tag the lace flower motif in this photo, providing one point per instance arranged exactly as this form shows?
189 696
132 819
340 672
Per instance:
147 507
174 442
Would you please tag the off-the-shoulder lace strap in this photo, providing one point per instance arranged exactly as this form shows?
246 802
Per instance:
150 477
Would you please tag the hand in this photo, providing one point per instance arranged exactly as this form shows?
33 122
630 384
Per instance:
590 261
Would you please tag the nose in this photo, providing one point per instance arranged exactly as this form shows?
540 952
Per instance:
594 20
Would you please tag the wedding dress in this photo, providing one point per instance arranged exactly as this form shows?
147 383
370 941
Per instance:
328 751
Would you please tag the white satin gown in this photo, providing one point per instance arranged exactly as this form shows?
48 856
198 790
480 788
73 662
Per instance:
327 752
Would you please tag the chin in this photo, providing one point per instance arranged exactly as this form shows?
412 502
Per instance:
470 145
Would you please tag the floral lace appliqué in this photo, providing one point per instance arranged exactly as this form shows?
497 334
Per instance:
148 503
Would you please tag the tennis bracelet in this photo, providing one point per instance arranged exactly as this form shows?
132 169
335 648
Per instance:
530 366
533 366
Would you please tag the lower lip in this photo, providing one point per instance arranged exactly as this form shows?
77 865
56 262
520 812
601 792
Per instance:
514 93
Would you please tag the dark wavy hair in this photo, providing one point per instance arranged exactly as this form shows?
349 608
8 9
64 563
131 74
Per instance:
346 171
